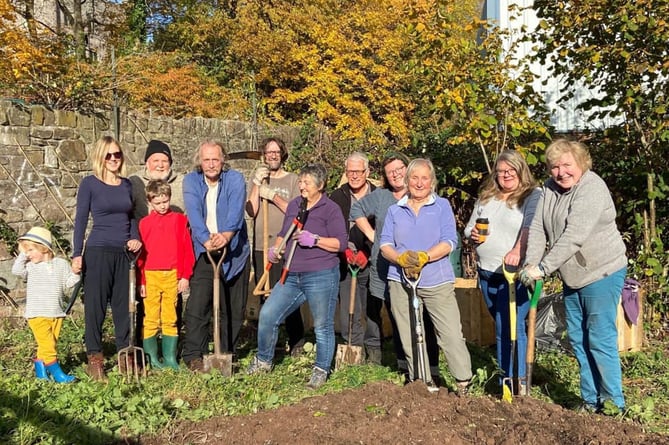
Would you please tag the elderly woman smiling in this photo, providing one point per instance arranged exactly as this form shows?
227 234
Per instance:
313 275
422 225
576 219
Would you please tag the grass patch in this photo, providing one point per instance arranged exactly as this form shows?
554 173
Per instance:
33 411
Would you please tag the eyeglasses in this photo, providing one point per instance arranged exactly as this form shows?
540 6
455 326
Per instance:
396 171
355 172
507 172
273 153
114 154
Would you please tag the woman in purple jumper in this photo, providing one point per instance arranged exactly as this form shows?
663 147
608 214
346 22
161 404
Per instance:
313 276
106 197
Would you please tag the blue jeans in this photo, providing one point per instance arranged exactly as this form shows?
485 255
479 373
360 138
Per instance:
591 325
495 291
319 289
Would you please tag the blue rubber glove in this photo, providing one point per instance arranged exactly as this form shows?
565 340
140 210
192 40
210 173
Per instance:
307 239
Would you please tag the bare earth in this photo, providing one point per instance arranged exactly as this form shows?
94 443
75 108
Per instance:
384 413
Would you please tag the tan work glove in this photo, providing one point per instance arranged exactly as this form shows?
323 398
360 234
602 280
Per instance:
408 258
260 174
267 192
412 262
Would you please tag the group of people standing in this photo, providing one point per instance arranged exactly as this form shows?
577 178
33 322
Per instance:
403 227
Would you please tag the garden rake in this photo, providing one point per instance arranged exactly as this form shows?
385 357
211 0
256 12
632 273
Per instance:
131 360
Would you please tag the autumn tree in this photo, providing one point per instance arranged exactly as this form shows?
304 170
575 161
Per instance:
619 51
473 97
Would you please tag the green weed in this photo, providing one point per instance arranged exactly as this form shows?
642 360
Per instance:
33 411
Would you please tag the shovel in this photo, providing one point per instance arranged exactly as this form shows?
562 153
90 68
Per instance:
507 382
531 326
349 354
217 360
131 359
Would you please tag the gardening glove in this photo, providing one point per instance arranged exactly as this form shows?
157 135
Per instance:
413 271
273 255
307 239
261 173
408 258
361 259
267 192
350 256
423 258
530 274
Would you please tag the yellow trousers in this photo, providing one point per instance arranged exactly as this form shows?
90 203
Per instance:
160 303
46 331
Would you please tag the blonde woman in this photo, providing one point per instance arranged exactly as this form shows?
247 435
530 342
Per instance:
508 198
106 198
575 234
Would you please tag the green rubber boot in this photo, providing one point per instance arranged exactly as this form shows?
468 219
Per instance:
151 348
170 352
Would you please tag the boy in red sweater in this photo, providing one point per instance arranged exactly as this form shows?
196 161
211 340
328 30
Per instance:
165 265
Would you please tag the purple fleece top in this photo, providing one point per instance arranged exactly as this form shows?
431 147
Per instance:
324 219
435 223
110 206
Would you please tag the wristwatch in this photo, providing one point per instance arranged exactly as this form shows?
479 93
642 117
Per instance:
317 238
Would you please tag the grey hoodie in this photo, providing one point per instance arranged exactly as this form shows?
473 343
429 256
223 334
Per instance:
575 233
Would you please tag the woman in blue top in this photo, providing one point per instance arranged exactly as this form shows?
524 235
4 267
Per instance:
106 197
423 224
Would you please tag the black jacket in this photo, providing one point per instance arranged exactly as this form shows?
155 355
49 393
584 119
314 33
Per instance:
342 196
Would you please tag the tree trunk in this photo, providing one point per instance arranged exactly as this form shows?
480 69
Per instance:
651 204
78 29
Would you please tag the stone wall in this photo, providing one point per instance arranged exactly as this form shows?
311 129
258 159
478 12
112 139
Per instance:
44 155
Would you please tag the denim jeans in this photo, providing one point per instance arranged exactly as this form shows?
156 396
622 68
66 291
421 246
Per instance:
320 290
495 291
591 325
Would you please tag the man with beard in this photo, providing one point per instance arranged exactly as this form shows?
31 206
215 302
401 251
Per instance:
272 183
157 166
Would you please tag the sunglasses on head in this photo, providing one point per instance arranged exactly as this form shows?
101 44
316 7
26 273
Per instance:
115 155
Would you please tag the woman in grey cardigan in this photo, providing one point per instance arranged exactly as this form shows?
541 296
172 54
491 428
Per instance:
574 233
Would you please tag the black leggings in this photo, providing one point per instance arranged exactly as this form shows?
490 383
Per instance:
106 282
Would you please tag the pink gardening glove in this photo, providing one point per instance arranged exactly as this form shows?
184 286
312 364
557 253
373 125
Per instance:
273 255
307 239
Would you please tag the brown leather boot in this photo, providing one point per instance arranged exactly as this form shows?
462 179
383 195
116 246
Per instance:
96 367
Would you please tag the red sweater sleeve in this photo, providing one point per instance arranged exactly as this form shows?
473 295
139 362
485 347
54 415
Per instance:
186 257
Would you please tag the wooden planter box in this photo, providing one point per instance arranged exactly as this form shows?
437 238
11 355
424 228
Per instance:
630 336
478 327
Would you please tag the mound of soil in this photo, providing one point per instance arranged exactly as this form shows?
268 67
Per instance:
384 413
